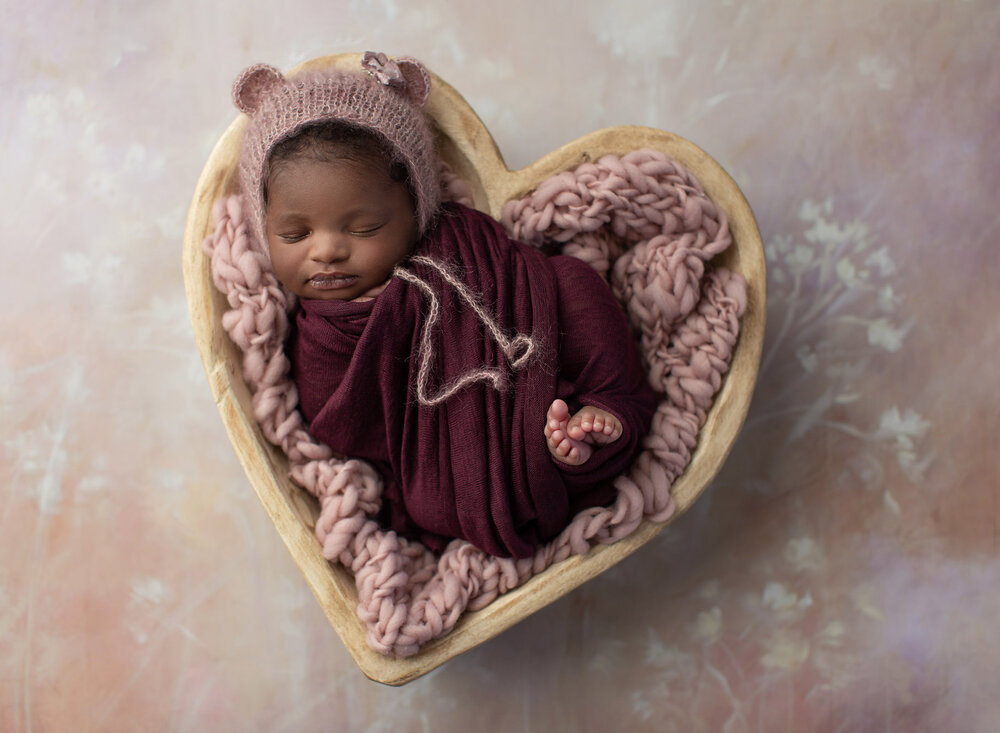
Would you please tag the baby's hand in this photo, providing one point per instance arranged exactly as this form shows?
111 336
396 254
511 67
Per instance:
571 440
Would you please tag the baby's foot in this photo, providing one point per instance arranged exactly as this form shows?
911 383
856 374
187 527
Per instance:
571 440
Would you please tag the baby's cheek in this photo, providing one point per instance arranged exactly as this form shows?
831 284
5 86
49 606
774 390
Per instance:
284 270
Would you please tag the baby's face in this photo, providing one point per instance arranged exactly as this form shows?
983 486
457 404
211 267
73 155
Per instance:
336 230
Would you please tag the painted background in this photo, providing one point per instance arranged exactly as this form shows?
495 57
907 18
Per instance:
840 574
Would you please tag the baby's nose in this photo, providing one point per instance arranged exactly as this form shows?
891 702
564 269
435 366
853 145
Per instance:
330 248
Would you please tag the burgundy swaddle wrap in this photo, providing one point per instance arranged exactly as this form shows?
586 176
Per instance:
475 466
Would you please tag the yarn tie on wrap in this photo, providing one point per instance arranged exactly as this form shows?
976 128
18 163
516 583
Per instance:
518 349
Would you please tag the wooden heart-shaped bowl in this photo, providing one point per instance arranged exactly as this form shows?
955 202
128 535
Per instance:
467 146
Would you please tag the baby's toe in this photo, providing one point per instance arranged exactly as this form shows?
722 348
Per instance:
558 411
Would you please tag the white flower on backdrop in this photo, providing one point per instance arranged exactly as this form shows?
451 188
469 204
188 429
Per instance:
834 307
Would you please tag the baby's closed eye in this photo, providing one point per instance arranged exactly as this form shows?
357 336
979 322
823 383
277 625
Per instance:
367 230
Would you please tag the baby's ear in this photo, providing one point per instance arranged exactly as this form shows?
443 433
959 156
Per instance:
418 81
254 84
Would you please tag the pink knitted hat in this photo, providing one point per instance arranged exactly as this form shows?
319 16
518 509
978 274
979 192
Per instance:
385 98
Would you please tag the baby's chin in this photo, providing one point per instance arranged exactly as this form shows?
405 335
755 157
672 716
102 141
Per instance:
372 293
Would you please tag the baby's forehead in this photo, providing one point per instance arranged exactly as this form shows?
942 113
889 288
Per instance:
308 170
301 175
344 188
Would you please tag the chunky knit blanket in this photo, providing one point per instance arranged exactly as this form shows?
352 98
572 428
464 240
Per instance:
640 219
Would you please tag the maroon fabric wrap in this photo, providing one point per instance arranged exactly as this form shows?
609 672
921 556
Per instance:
475 467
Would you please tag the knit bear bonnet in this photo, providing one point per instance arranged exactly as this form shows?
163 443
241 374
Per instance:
385 98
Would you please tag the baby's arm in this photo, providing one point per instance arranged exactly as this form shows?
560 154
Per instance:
599 369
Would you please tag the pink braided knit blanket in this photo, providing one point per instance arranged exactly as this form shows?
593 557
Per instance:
641 218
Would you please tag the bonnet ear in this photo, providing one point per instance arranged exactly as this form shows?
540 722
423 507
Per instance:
418 81
254 85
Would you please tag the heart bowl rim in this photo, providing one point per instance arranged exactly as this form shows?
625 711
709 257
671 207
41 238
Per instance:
470 150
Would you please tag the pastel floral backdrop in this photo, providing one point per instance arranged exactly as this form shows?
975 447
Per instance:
842 571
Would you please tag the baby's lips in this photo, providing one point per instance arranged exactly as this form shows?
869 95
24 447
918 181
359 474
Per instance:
332 281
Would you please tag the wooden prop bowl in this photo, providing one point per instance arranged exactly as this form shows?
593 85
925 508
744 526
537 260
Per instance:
465 143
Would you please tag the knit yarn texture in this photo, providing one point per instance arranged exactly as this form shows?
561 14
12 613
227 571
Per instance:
282 107
641 219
